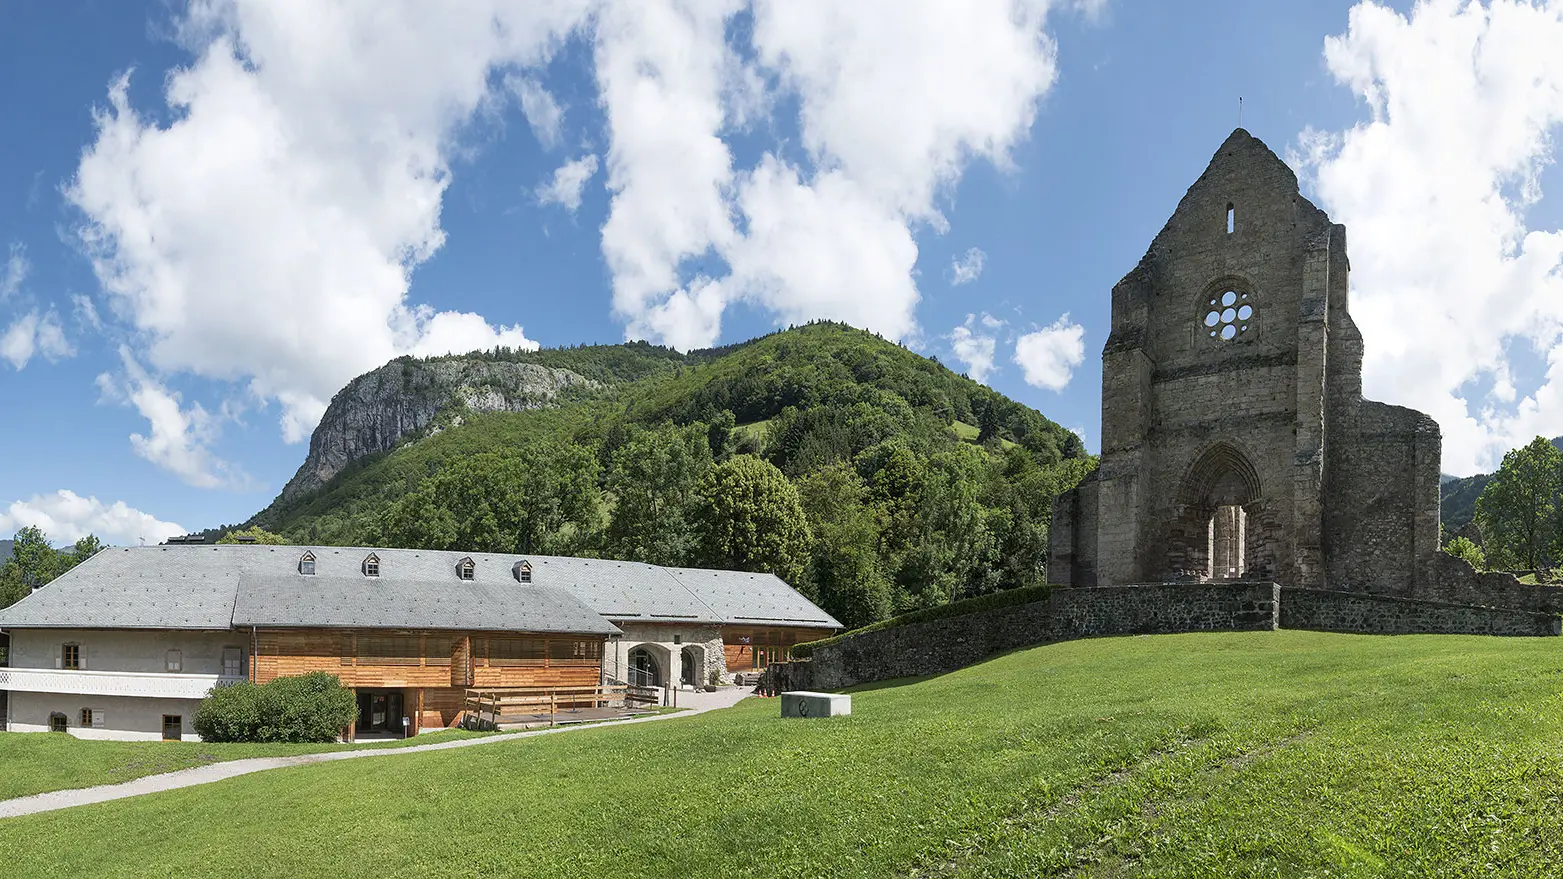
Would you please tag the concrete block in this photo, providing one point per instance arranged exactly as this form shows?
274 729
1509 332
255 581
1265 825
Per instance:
806 704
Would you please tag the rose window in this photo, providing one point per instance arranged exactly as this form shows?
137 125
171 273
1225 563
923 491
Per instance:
1229 316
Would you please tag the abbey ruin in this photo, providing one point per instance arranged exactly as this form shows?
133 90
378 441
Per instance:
1236 444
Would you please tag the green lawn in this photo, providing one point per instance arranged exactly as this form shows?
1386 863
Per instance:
1259 754
37 762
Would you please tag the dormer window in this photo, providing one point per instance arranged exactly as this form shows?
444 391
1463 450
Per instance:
522 571
372 565
465 569
306 564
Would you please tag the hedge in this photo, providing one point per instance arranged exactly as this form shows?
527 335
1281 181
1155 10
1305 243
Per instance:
308 708
991 601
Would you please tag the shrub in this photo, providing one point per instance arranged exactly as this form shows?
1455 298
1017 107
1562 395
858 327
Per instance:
309 708
1004 598
1465 548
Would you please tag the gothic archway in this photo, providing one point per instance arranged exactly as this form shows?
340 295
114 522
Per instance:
1212 533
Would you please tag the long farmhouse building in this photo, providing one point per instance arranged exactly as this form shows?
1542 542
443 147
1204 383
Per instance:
126 644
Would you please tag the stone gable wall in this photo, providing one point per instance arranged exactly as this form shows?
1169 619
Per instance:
1338 492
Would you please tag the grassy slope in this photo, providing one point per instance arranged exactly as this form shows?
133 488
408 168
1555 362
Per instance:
1267 754
35 763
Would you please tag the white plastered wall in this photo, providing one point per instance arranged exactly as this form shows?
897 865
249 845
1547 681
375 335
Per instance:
132 650
125 718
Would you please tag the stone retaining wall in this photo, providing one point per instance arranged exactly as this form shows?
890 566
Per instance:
1354 612
1162 609
932 647
944 645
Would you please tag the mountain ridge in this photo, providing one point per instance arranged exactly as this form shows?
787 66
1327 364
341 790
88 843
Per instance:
573 391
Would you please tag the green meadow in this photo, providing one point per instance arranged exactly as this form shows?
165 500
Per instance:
34 763
1240 754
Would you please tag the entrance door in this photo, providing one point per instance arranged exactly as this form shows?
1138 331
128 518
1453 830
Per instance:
686 671
380 711
643 669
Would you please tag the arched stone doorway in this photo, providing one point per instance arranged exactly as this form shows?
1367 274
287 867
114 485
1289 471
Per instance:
644 668
1213 532
692 665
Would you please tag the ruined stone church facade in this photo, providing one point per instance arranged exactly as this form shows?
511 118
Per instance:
1236 443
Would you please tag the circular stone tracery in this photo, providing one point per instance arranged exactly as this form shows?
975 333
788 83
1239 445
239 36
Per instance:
1228 316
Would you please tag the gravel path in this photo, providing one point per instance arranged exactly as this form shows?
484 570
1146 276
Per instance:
694 703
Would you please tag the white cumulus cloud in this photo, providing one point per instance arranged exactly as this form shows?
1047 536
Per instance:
266 231
974 347
1449 283
967 267
894 100
35 333
180 435
568 182
66 516
1048 357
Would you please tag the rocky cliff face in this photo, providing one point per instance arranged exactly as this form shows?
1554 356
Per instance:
377 410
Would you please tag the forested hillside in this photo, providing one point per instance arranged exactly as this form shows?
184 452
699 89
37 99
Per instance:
876 480
1459 496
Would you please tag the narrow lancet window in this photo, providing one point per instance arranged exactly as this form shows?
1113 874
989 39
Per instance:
1231 218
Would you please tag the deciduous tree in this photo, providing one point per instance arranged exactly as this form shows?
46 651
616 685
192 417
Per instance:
749 518
1518 510
253 534
654 476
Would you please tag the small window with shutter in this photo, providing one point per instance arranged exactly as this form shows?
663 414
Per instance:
174 662
233 662
70 656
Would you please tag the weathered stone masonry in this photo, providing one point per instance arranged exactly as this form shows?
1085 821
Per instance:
944 645
1235 439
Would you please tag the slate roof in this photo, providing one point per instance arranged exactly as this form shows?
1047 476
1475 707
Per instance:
741 597
215 587
132 589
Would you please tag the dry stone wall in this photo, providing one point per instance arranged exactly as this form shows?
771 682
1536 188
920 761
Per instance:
940 646
1326 611
944 645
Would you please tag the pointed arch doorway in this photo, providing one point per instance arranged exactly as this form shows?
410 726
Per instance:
1213 534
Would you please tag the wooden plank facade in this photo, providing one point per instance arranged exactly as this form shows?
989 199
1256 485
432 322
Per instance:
426 674
747 648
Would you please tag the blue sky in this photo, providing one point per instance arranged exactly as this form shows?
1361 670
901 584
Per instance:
212 216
